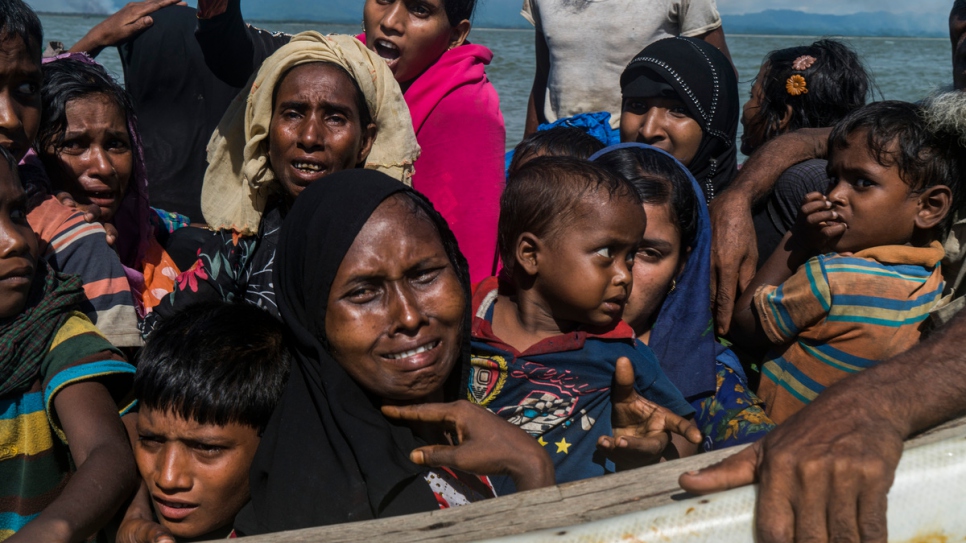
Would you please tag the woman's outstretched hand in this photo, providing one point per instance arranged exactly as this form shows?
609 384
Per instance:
487 444
642 429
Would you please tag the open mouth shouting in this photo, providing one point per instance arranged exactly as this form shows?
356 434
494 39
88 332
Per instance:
388 51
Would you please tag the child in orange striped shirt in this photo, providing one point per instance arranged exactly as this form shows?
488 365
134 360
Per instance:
894 188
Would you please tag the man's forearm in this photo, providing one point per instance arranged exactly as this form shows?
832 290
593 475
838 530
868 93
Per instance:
225 41
717 38
924 386
758 174
89 44
532 122
79 512
538 91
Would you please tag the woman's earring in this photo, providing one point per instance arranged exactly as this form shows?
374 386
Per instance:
363 26
674 285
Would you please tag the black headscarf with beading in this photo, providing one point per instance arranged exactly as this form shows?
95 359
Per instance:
702 77
328 454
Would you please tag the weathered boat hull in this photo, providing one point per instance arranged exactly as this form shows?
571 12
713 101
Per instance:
934 508
926 505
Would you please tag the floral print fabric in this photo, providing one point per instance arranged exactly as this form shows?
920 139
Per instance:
230 267
734 415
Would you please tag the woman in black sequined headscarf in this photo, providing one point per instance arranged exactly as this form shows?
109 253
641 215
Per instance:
681 95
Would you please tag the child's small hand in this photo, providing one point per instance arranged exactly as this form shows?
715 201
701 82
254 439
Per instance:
642 429
92 214
818 223
486 444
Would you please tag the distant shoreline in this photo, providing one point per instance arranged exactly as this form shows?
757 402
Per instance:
527 28
747 35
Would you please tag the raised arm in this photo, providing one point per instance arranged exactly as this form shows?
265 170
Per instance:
734 249
128 22
233 50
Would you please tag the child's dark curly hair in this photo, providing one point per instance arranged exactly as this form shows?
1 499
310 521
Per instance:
898 134
837 84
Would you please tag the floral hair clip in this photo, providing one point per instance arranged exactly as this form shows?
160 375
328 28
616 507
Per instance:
803 62
796 85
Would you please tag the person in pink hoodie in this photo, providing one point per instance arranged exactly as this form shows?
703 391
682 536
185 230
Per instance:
455 111
454 107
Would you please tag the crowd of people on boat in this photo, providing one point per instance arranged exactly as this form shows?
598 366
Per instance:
270 282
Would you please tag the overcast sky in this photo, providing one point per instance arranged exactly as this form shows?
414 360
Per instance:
836 6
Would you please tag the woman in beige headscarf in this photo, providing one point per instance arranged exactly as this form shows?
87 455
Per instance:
319 105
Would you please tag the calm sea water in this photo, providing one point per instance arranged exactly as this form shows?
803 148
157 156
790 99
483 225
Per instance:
904 68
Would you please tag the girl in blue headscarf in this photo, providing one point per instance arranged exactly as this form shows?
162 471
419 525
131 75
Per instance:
670 305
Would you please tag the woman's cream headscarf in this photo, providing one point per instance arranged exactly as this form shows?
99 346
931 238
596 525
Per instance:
239 178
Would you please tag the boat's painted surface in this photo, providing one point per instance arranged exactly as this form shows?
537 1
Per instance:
927 504
592 501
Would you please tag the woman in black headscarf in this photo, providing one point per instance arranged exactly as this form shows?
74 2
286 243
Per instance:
371 284
681 95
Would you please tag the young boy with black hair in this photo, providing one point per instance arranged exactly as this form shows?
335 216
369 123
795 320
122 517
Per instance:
548 335
876 275
207 383
65 464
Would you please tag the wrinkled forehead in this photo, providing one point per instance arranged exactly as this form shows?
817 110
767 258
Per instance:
95 107
403 221
320 81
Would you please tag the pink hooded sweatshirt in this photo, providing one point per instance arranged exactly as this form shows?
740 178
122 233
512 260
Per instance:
459 126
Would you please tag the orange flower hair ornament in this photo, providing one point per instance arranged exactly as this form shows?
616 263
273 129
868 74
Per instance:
796 85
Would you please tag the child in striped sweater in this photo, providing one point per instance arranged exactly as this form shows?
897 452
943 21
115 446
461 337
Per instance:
65 463
853 282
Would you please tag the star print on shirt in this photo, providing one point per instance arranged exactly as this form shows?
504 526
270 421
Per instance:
541 441
563 446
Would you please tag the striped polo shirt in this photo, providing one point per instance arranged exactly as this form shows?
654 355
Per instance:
838 315
35 462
